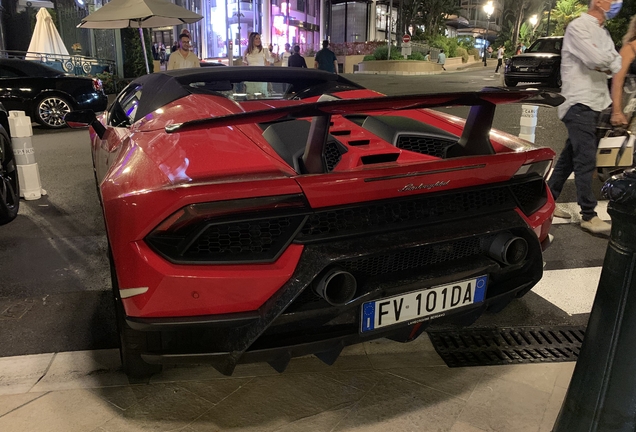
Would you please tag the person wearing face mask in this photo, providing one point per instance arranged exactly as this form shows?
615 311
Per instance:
588 59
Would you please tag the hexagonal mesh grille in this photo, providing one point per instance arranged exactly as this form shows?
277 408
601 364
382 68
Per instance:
424 144
417 211
414 258
332 155
258 239
530 195
525 61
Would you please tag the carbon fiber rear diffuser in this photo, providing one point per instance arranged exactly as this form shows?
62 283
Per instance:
507 345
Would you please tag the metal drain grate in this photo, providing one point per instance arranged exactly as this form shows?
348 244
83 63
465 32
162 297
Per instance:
508 345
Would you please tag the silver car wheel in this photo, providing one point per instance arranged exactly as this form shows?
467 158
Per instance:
51 111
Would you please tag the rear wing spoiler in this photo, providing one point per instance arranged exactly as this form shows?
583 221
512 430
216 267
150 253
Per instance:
474 140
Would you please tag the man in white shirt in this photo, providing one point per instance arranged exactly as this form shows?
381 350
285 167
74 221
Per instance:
588 59
183 58
500 56
286 55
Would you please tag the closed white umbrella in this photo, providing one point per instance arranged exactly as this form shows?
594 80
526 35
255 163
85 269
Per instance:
46 38
119 14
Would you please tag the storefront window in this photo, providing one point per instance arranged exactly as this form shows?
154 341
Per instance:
301 29
382 21
216 27
349 22
222 24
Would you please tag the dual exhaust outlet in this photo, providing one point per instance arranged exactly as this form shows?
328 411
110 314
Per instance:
338 287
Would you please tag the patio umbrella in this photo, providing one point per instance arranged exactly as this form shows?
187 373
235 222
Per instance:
119 14
46 38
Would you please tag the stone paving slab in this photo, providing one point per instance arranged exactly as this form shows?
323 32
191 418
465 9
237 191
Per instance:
377 386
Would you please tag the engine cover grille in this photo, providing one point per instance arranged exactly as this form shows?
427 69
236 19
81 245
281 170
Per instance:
394 215
424 144
333 154
414 258
525 62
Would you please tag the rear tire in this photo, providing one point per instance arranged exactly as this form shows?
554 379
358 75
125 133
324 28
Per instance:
9 186
132 343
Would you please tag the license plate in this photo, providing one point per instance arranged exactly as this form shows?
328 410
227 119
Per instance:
422 305
523 69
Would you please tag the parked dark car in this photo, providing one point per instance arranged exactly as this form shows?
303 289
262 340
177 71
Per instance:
9 187
539 63
46 94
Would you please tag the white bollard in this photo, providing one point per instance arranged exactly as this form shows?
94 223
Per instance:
28 172
528 122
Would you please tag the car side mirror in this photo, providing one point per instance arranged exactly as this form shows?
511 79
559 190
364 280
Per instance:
84 118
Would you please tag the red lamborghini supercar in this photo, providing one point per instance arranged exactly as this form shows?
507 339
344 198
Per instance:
257 214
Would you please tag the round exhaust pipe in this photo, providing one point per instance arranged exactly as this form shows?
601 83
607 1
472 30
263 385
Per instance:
337 287
508 249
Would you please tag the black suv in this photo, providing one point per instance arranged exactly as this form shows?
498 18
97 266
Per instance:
539 63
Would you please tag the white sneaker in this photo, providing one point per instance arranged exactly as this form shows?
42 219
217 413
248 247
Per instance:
596 226
561 213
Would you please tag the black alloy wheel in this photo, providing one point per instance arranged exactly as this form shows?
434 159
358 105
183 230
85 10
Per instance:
9 186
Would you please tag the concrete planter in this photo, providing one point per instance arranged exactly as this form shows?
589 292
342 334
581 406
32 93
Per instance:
399 67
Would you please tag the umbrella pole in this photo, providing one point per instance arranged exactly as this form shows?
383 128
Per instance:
143 44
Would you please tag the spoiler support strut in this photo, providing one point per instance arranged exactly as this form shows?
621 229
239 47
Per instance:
318 132
475 139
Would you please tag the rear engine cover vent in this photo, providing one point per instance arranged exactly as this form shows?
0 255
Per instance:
340 132
424 144
333 153
359 142
379 158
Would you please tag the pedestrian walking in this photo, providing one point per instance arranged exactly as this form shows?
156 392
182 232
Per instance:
296 60
162 53
284 57
325 59
183 58
155 51
487 54
588 57
441 58
500 56
519 49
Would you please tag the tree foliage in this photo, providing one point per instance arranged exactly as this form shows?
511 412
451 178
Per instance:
563 13
431 14
134 64
516 12
434 13
618 26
